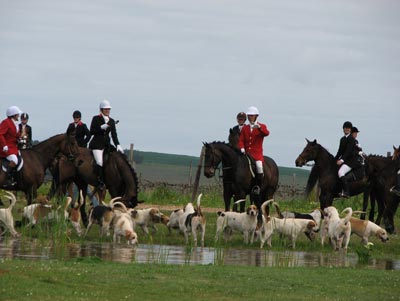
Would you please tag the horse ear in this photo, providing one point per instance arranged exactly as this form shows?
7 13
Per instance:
315 141
308 141
394 148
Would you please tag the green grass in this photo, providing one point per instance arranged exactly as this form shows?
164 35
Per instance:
93 279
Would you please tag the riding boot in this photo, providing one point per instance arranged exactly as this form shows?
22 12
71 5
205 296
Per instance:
257 188
100 177
396 189
10 175
345 187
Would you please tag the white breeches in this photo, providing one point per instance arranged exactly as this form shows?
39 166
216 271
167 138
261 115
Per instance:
98 156
259 167
343 170
13 158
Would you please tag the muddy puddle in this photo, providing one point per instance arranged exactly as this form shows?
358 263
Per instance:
164 254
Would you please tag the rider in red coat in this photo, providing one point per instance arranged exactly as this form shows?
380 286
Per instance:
251 142
9 134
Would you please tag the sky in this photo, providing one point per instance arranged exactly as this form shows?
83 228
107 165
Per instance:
177 72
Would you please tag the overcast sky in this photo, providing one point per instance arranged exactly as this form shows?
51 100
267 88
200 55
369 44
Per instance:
178 71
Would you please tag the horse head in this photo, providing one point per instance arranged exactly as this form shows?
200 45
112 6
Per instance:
69 146
309 153
233 138
212 158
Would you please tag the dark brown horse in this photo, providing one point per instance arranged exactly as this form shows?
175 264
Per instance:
242 176
325 171
119 176
36 160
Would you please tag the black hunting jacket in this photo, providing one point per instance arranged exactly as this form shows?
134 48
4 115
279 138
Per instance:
101 138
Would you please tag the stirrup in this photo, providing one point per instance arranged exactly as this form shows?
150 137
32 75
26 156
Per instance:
256 190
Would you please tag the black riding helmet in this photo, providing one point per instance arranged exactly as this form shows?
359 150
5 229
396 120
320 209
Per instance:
77 114
24 116
347 124
241 115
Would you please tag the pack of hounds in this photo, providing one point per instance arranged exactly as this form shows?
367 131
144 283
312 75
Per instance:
190 220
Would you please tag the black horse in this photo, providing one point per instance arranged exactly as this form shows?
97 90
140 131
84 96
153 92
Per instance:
325 171
119 176
241 169
386 178
36 160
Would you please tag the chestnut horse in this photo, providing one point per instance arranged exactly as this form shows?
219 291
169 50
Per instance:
119 176
240 170
36 160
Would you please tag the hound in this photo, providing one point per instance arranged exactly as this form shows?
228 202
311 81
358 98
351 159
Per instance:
191 220
6 216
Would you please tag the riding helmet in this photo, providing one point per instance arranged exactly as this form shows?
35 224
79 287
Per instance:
252 111
105 104
347 124
354 130
77 114
24 116
13 110
241 115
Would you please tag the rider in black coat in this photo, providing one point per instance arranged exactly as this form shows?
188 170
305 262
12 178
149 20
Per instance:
101 127
82 133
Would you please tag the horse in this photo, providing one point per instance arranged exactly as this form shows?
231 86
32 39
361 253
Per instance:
387 178
242 175
36 160
325 171
119 176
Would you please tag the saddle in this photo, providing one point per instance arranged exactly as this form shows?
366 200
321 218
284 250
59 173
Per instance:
356 174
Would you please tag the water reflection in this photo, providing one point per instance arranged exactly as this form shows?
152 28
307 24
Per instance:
39 250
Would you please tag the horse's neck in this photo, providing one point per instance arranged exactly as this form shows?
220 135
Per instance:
325 162
229 156
47 151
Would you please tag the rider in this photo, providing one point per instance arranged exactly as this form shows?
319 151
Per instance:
25 139
82 133
100 128
359 151
9 134
346 157
251 142
241 119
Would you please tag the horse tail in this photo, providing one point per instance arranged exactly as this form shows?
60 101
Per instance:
312 180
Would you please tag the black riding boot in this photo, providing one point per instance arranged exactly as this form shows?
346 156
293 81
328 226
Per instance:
396 189
345 187
100 177
10 175
257 188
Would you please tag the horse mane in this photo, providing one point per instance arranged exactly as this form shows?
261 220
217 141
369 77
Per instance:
135 177
236 150
45 140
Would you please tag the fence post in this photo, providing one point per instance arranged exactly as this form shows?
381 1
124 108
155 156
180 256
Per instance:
131 154
197 179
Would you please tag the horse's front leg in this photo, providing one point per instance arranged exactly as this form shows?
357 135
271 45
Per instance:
227 196
325 200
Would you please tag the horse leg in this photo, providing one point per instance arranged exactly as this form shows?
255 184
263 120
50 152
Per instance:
83 187
365 204
227 196
388 215
372 209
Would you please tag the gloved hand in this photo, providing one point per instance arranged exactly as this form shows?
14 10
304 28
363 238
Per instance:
104 126
5 148
119 148
243 151
255 125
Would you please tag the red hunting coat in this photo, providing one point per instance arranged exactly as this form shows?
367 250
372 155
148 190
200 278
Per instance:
252 141
8 136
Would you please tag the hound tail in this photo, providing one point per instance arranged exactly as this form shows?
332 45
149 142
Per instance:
278 210
265 208
349 211
198 208
12 198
